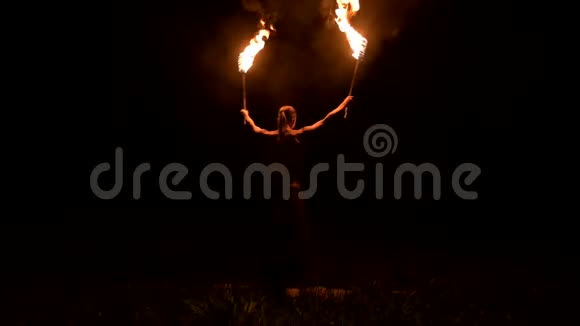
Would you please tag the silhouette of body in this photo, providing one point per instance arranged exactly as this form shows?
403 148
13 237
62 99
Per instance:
290 234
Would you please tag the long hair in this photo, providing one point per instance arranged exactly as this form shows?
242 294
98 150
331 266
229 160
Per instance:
286 120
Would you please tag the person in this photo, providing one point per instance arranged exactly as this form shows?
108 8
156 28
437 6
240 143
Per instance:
286 122
290 225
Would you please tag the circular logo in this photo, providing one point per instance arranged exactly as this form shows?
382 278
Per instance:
380 140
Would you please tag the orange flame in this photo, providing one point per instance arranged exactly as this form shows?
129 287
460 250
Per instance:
346 9
257 43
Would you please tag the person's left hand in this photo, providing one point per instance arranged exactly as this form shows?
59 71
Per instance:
244 112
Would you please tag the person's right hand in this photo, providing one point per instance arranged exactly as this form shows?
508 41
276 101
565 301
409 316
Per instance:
348 99
244 112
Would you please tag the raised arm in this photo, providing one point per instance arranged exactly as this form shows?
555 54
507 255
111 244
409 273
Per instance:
255 128
330 114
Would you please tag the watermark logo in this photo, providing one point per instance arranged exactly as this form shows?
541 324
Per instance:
379 141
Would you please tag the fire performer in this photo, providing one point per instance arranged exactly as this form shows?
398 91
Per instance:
292 228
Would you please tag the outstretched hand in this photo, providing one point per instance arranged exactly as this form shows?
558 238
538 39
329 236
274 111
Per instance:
246 115
345 103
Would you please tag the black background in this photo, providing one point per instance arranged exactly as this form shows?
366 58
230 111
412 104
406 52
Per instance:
452 78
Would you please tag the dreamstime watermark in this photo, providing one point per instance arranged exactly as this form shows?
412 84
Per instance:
379 141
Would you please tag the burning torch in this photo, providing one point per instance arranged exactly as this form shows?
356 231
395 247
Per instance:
246 58
358 44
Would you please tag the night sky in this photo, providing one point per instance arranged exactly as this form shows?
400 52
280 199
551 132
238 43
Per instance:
449 76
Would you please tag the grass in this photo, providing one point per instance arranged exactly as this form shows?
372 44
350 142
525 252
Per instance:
162 302
374 304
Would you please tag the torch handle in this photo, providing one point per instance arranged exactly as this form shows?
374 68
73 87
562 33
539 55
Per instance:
244 93
351 85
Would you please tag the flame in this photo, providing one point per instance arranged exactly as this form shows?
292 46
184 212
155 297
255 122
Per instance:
345 10
257 43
